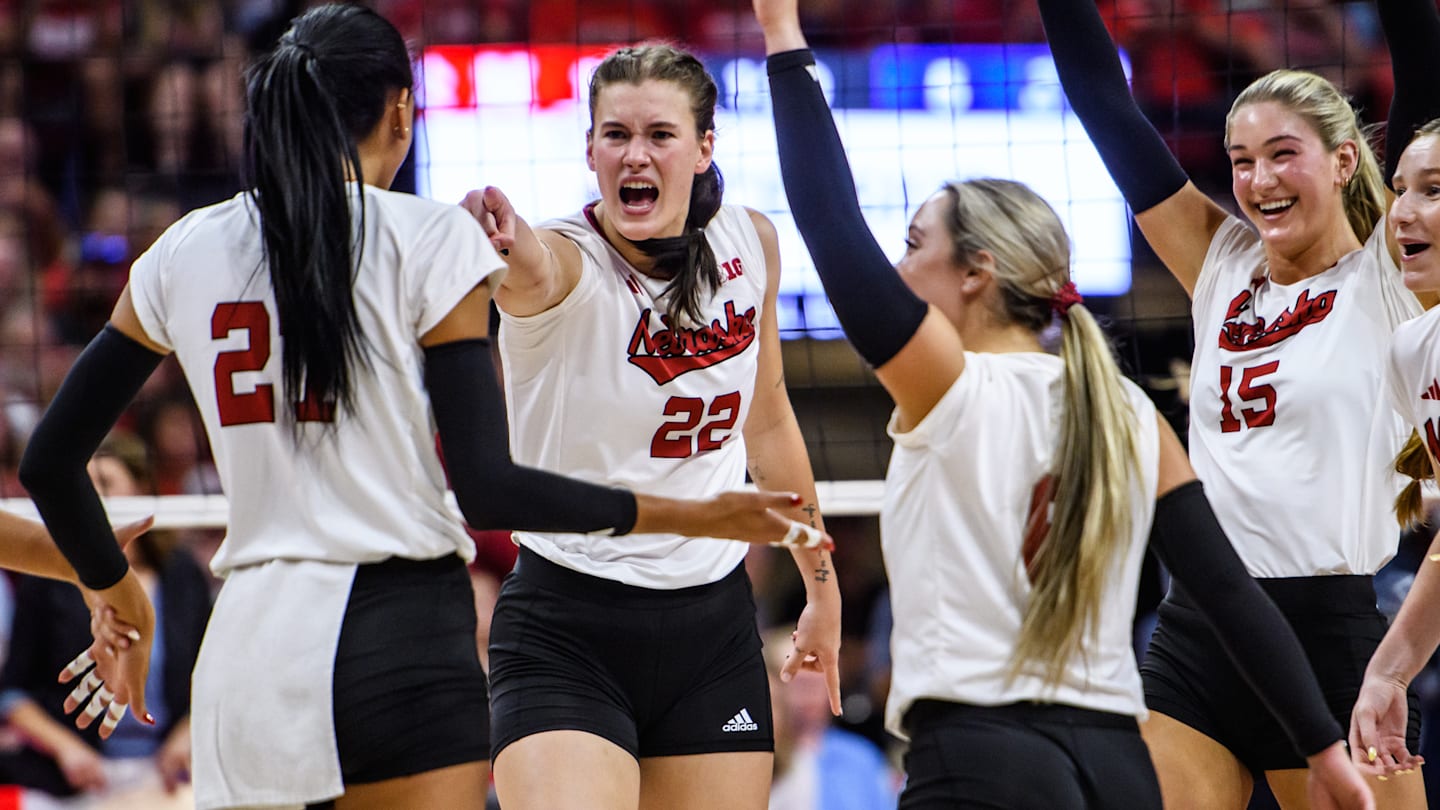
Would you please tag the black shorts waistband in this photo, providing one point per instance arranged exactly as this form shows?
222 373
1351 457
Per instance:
536 570
1324 595
393 569
928 712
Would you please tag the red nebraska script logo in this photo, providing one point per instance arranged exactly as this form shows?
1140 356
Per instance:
670 352
1239 335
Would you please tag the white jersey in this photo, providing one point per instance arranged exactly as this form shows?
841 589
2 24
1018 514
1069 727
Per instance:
303 517
1412 377
602 388
959 492
1287 428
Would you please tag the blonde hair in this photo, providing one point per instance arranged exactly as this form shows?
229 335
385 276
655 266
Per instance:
1095 462
1330 115
1413 461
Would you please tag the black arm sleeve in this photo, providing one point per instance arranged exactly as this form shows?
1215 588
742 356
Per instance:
1412 30
494 492
1094 81
100 385
879 313
1188 539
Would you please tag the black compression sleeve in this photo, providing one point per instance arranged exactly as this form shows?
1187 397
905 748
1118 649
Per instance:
105 377
1094 82
494 492
879 313
1188 539
1412 30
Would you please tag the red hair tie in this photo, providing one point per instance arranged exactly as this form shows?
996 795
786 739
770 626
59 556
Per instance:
1065 297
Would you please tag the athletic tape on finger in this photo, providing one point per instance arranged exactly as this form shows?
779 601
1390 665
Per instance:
113 715
801 536
102 699
82 691
83 662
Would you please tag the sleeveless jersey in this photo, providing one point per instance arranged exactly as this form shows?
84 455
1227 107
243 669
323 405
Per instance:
604 388
373 488
1287 428
959 494
1412 377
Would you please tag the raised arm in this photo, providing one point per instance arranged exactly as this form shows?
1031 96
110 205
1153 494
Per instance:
542 267
897 333
1178 220
1188 539
1412 30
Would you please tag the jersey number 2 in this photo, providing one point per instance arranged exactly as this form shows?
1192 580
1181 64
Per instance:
258 405
1249 390
678 437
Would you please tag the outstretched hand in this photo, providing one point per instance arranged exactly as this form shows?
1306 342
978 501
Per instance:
492 209
752 517
113 670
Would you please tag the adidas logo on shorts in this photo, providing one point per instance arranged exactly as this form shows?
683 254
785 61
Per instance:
741 722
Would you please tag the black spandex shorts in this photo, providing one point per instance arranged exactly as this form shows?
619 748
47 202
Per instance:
1025 756
1189 677
409 691
656 672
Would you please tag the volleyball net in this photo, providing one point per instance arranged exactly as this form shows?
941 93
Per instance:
115 118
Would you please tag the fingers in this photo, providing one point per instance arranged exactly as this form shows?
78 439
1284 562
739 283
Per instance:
127 533
801 536
82 662
832 683
113 715
107 628
82 692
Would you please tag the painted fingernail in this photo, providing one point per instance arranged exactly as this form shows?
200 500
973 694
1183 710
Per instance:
149 718
1370 752
133 635
795 500
1383 778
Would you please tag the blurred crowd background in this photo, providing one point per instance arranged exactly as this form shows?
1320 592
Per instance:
118 115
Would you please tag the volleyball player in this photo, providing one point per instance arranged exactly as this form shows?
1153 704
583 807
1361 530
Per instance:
327 327
1020 494
1293 310
1378 737
640 348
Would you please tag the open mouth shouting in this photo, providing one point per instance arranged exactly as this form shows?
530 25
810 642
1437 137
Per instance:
638 196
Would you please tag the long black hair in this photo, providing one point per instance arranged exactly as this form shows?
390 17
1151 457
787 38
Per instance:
687 260
309 101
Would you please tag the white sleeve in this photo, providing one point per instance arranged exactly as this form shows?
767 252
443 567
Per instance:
148 277
448 259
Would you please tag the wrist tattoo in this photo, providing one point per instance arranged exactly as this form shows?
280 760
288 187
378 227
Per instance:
822 574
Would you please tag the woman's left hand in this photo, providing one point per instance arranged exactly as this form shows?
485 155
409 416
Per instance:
122 621
817 645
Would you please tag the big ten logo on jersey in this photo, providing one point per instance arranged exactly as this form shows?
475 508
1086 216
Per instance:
256 406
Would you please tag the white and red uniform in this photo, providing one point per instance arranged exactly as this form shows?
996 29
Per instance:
600 387
303 516
1287 430
1412 377
960 490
